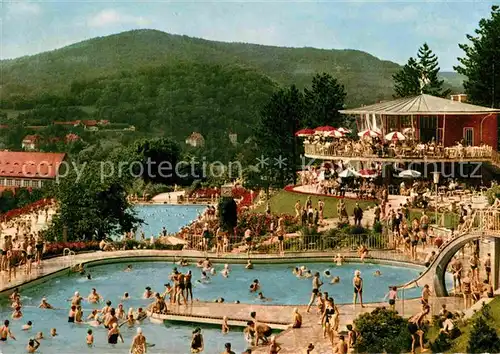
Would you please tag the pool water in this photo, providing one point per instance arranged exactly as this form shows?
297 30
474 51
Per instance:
173 217
278 283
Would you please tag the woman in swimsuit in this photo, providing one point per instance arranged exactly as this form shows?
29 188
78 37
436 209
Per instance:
327 319
197 341
114 334
138 343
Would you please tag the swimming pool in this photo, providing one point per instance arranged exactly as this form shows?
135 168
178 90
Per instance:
173 217
278 283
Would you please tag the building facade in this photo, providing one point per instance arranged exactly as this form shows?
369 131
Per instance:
28 169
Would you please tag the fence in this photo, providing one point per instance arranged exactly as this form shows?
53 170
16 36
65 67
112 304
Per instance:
306 243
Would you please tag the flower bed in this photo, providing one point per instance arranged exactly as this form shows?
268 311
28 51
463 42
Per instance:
291 188
11 214
57 248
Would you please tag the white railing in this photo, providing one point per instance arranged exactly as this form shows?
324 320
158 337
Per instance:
69 257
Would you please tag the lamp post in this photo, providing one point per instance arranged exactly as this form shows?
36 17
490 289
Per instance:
435 178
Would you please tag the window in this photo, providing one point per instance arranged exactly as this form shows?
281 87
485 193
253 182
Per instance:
17 182
469 136
25 183
35 183
9 183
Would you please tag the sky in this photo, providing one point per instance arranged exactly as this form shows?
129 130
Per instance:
387 29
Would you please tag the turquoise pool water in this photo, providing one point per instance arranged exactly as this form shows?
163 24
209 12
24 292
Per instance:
278 283
173 217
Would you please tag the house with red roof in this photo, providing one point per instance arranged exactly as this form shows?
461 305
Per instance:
195 140
31 142
28 169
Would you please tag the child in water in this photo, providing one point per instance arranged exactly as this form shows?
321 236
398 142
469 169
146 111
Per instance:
225 327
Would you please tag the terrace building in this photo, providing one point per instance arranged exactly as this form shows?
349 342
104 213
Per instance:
28 169
453 129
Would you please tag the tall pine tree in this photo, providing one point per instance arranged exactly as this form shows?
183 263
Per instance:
323 101
420 75
406 81
481 63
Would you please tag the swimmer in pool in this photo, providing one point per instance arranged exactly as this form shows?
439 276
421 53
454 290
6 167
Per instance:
27 326
16 314
147 293
225 271
225 326
45 305
93 297
263 298
125 296
327 274
339 260
32 346
90 338
255 286
335 280
183 262
129 268
53 332
76 299
249 265
5 331
377 273
308 274
89 277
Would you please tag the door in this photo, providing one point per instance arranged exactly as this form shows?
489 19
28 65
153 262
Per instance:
469 136
428 128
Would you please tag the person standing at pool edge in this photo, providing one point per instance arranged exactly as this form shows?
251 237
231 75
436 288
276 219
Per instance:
357 283
316 284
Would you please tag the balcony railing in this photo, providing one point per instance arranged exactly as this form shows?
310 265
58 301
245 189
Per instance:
332 151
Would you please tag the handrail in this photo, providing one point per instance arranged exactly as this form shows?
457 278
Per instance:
481 222
320 149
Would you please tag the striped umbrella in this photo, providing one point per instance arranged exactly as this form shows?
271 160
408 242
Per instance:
304 132
334 134
368 133
324 129
395 136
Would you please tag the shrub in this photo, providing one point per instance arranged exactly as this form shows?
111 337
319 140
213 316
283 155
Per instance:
377 227
382 331
442 343
483 338
493 193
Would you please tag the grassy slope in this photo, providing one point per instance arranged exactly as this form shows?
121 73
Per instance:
460 343
284 202
367 78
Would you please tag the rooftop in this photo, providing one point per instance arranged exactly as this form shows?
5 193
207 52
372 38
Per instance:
30 164
422 104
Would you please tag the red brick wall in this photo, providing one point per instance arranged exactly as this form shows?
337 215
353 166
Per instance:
454 129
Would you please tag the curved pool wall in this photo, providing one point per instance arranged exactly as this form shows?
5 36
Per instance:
172 216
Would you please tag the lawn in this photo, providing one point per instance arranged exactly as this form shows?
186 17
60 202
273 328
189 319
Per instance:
450 219
460 343
283 202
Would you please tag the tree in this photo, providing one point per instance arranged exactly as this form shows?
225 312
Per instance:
481 62
406 81
324 101
382 331
228 214
275 140
483 338
429 72
420 76
91 205
158 158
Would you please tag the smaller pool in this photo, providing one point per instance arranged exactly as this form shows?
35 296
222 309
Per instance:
173 217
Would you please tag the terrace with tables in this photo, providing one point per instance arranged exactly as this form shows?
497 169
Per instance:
422 128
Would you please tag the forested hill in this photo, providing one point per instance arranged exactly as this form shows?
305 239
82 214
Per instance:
367 78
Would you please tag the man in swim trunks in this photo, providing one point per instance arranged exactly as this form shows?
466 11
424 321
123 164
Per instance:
5 332
262 332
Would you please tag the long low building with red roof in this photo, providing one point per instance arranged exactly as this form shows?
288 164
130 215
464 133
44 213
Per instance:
28 169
